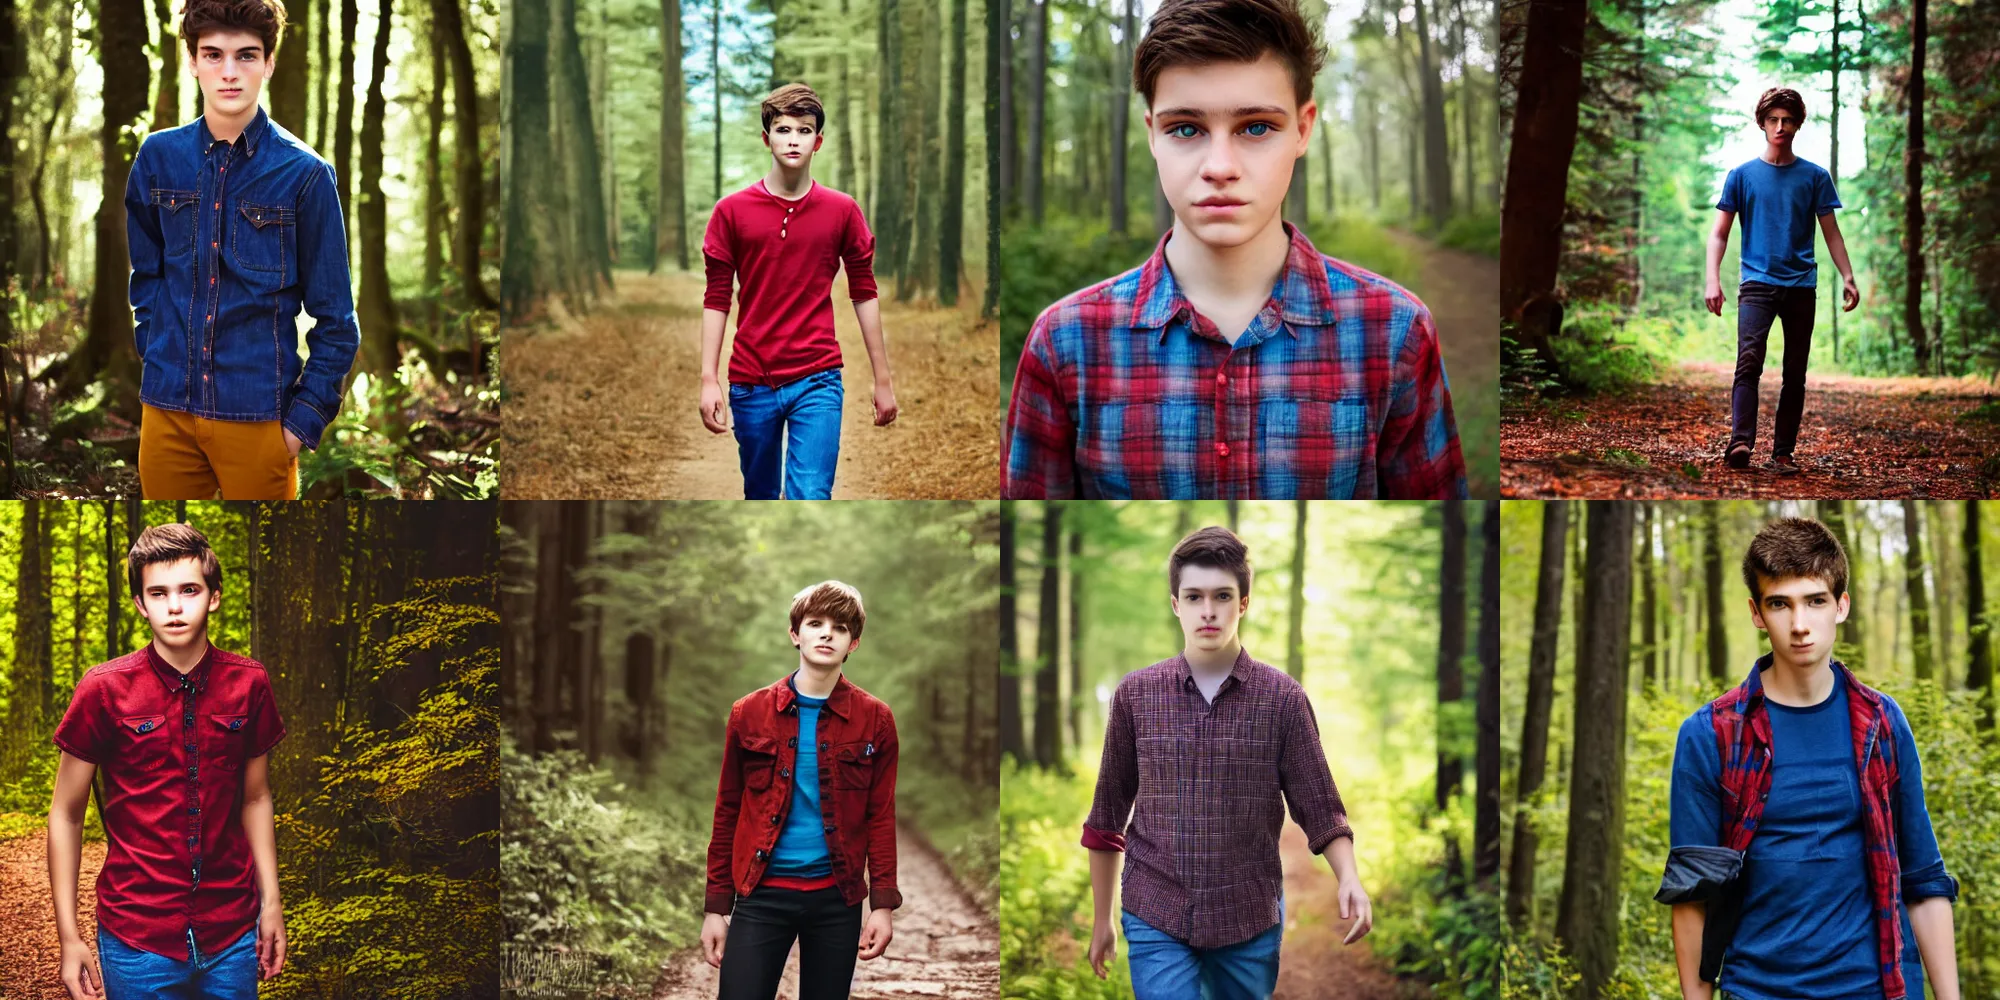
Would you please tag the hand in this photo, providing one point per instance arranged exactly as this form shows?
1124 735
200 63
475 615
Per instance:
876 934
1850 294
271 932
1103 947
292 442
77 974
1712 296
1354 903
713 416
714 931
885 404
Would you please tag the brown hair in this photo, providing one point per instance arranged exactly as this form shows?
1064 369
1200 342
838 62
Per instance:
834 600
165 543
1781 98
1216 548
263 18
796 100
1201 32
1792 548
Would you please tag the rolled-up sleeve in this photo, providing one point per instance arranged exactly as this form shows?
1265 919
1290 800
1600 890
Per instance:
1117 780
1697 862
1307 782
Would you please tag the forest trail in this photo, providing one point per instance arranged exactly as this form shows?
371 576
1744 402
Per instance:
945 947
1313 964
1860 437
30 959
604 405
1463 292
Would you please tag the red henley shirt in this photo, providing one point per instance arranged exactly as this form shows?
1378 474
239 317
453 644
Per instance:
785 329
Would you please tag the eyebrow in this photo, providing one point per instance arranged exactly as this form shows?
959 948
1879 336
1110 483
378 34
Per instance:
1803 597
1247 111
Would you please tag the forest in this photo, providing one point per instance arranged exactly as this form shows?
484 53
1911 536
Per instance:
1386 612
379 625
399 99
632 626
1622 620
1402 178
1626 117
655 110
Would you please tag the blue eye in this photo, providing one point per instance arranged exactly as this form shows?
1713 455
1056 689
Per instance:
1182 131
1258 129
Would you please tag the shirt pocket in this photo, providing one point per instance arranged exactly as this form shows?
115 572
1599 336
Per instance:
854 766
144 742
265 239
176 214
1315 431
760 758
228 737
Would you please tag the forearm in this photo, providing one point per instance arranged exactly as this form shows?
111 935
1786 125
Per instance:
260 828
1932 922
1104 867
1718 244
1836 247
1689 921
1340 855
869 313
65 860
712 323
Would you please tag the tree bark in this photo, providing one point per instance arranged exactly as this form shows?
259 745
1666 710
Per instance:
1834 513
951 205
167 105
1486 813
670 232
292 72
377 308
1076 586
1437 159
1048 645
1295 618
1121 112
1012 739
34 618
1587 918
1979 660
998 135
1544 139
1711 565
10 58
1038 82
586 167
434 203
1535 720
107 350
1451 679
524 255
1913 583
323 79
1913 197
113 635
343 118
468 169
1649 605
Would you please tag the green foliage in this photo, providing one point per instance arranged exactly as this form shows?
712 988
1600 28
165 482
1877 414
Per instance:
24 801
1477 232
1045 264
1045 890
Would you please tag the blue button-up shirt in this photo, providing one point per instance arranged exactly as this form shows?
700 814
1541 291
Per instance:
228 242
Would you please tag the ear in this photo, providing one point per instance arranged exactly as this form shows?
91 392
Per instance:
1308 117
1174 604
795 637
819 139
214 600
1243 605
1841 615
1757 616
767 138
139 602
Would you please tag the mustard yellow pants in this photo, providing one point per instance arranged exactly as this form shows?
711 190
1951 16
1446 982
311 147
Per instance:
185 457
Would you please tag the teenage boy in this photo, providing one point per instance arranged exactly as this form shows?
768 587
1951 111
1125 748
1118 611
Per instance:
1211 746
1803 863
233 225
806 804
1779 196
784 369
1237 362
176 737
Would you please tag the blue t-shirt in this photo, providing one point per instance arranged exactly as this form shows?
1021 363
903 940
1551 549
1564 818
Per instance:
801 849
1807 930
1779 205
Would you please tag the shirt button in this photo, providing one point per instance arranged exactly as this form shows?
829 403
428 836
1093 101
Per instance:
823 747
1221 378
784 772
1222 449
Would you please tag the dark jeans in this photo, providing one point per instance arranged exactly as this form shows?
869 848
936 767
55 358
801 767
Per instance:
1757 304
762 930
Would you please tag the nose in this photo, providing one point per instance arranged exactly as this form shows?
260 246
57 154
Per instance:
1221 164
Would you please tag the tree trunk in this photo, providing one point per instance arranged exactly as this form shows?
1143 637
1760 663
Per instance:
293 71
1121 112
167 106
889 158
670 230
1711 566
1834 513
469 176
1451 679
1012 739
1544 138
107 351
377 308
586 167
10 58
1076 586
1913 583
1295 625
343 118
1979 660
715 73
1913 198
114 640
434 203
1833 157
1649 605
1535 720
1486 813
1938 526
323 102
1038 83
527 247
1048 645
951 205
34 618
999 133
1437 160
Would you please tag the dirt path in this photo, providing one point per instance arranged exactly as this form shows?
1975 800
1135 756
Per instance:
1313 964
1860 437
945 948
603 406
30 960
1463 292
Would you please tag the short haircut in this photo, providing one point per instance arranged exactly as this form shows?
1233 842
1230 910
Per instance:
263 18
1781 98
796 100
1216 548
832 600
1202 32
166 543
1794 548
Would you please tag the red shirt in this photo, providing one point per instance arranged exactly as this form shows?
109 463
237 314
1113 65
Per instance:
857 775
785 329
169 753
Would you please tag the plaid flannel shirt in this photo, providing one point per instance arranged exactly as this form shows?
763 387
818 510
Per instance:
1335 391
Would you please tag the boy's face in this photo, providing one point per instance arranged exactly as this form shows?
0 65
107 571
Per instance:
823 642
231 67
1209 604
793 141
1780 126
176 602
1225 137
1800 614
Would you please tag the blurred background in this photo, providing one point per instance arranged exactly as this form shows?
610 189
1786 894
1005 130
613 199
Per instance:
1386 612
632 626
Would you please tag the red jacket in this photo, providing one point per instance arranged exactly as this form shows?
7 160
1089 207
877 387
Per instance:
857 767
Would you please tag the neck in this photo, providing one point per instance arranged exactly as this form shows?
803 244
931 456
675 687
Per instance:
1801 686
229 128
1214 661
186 658
788 182
815 682
1776 154
1210 272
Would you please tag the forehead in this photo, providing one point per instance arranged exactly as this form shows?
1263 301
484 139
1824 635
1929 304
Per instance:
229 41
1220 88
171 574
791 121
1207 578
1793 587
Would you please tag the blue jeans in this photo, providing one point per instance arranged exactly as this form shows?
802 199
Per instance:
794 427
1757 305
131 974
1165 968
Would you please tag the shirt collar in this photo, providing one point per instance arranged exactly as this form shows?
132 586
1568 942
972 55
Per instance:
788 692
173 679
1751 693
1238 671
799 202
1301 296
253 133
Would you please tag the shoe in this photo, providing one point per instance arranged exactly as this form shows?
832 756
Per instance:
1738 456
1784 465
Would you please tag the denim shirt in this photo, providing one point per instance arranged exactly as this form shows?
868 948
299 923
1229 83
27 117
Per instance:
228 241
